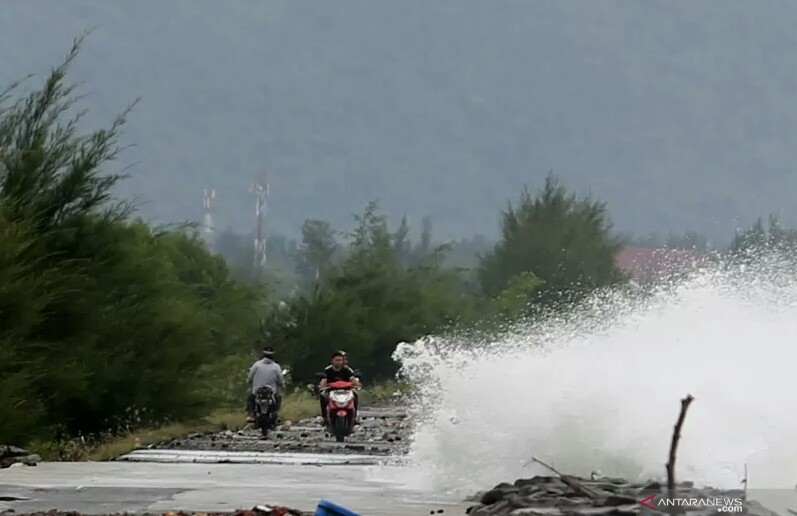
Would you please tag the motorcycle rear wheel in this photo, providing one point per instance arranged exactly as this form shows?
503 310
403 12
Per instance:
263 423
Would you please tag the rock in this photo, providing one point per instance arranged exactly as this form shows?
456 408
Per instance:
535 481
371 423
536 511
549 496
31 459
617 500
493 496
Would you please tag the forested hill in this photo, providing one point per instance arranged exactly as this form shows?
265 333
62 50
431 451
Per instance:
680 114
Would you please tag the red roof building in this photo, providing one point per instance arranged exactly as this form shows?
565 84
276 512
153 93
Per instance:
649 264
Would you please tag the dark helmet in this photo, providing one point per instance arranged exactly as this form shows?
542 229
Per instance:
268 352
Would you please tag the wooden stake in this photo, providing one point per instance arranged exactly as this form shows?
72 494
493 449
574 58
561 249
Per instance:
676 435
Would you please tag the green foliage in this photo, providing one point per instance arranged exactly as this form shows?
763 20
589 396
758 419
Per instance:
759 238
516 298
104 322
371 302
318 247
565 241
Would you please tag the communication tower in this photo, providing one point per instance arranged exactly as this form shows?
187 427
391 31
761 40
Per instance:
260 190
208 225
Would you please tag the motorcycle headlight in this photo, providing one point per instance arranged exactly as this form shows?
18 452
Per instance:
341 398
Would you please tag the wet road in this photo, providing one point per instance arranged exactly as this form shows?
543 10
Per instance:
107 487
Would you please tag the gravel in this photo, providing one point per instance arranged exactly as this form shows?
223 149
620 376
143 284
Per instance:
381 431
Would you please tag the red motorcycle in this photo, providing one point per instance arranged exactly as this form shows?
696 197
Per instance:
341 409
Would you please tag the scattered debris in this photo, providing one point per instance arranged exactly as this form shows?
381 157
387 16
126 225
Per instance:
10 455
569 480
381 432
552 496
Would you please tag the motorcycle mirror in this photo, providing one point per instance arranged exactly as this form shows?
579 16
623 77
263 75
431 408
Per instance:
320 375
357 373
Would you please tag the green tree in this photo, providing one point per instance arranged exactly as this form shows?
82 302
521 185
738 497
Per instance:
104 322
759 238
565 241
315 253
514 301
368 305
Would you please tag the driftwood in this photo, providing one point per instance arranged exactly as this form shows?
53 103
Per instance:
676 435
745 481
568 480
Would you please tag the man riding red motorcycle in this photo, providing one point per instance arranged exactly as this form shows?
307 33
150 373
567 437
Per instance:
337 371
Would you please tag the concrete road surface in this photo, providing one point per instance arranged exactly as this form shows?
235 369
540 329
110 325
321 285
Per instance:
107 487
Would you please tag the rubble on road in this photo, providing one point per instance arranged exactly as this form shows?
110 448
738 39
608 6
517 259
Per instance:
11 455
552 496
379 432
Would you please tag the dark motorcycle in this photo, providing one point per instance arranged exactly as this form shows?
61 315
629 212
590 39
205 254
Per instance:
265 410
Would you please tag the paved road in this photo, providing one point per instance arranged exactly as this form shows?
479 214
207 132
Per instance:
106 487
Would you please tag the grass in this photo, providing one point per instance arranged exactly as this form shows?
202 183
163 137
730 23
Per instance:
118 446
384 391
295 406
299 405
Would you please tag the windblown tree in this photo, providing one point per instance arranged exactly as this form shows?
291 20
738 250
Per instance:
368 304
104 322
566 242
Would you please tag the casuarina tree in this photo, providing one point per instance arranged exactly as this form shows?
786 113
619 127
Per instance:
565 241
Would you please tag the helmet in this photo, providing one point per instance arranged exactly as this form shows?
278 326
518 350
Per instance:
268 352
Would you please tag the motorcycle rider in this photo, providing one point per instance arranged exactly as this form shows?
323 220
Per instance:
337 371
266 372
346 364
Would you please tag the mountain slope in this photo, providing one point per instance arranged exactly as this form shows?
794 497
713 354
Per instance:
679 114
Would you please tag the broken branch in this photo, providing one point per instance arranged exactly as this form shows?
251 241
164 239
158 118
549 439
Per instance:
570 481
676 436
745 481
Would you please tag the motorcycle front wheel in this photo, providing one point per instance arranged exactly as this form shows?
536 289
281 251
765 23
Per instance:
341 428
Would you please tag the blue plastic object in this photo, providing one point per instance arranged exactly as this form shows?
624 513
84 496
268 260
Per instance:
327 508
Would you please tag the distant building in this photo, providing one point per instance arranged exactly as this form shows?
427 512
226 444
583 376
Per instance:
645 264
